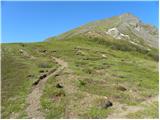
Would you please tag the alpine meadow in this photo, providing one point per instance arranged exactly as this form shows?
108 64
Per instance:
103 69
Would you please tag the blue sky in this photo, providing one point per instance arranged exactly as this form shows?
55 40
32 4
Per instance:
36 21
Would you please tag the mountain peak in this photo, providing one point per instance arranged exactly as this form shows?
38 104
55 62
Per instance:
125 26
128 17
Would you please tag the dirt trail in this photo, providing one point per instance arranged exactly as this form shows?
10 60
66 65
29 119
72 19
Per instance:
123 110
33 99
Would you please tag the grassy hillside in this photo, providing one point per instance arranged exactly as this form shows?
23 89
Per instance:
127 75
21 66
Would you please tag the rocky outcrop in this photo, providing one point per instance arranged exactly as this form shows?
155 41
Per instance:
114 32
125 27
132 24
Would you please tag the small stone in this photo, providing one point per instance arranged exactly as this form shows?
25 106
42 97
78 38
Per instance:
21 51
121 88
59 86
103 55
107 104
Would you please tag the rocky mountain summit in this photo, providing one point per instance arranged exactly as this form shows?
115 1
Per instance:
146 32
124 27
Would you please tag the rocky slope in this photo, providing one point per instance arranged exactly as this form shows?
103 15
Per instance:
125 26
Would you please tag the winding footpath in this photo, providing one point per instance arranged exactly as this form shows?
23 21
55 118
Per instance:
33 99
34 106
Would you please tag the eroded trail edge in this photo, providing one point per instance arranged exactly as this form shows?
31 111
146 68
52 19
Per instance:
33 99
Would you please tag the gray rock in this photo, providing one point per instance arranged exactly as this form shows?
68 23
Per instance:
130 23
106 104
59 85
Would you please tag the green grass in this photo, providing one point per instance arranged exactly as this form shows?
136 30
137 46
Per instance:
16 83
124 64
96 113
53 100
150 111
100 75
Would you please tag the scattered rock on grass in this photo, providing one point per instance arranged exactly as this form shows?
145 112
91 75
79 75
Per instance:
106 104
59 85
121 88
21 51
104 56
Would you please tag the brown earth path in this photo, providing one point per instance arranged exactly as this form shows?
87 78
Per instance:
33 99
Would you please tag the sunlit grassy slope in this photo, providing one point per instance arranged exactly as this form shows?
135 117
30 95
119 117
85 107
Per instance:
97 68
